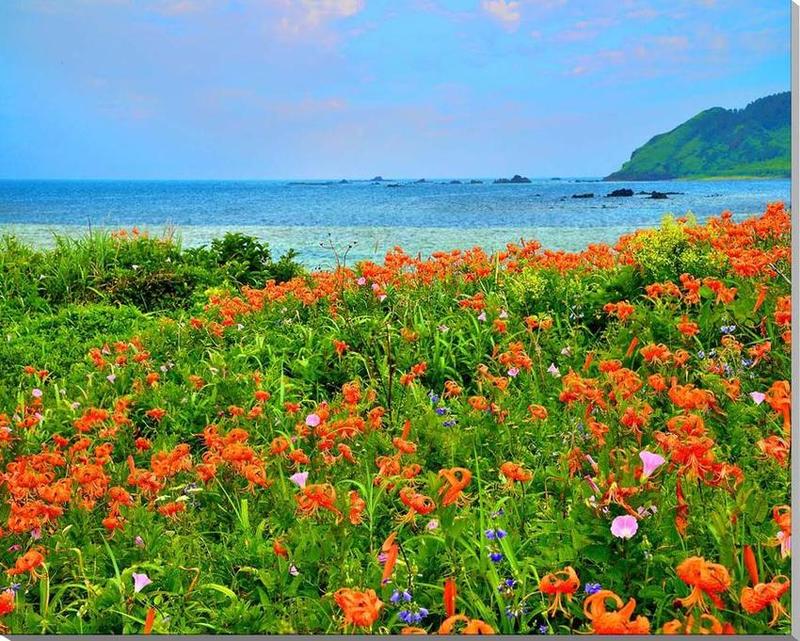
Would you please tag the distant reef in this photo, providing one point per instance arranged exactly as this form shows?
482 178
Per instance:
517 179
719 143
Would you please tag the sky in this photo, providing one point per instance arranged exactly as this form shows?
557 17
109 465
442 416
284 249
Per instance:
293 89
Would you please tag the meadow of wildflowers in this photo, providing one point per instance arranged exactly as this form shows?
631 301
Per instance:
528 442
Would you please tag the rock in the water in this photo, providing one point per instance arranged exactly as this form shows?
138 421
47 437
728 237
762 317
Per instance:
658 195
586 195
393 185
517 179
344 181
620 193
455 182
475 182
377 179
420 181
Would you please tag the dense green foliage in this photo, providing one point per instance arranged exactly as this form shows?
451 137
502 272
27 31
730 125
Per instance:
753 142
152 274
317 454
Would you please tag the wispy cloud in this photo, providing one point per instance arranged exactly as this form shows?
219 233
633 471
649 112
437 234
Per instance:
507 12
585 30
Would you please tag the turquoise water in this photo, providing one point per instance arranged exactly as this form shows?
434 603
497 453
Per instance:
421 217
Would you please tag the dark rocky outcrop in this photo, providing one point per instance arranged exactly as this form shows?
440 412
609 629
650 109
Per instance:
620 193
516 180
586 195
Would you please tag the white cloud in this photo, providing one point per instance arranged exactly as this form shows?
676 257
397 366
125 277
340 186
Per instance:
300 17
506 12
318 10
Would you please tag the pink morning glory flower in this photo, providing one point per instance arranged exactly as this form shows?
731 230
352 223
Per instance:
36 393
312 420
299 479
624 527
651 462
482 316
786 544
140 581
554 370
758 397
513 372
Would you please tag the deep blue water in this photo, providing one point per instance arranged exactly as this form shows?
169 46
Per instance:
420 217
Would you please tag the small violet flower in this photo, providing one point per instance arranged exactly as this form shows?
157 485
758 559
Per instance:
592 588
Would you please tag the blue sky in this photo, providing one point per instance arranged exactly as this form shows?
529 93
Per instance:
355 88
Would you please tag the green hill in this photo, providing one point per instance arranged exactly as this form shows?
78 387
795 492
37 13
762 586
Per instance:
754 141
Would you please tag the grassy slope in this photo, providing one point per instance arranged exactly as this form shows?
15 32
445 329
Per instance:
754 141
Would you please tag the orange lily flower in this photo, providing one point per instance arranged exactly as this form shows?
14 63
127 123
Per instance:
687 327
779 398
357 506
28 562
316 496
457 479
706 579
6 602
361 609
391 550
557 583
416 503
750 565
515 472
149 620
755 599
473 626
688 627
450 597
538 412
617 622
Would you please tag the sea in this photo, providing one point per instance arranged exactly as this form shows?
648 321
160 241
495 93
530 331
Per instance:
348 221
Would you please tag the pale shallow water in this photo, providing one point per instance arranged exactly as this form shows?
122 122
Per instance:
371 242
422 218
